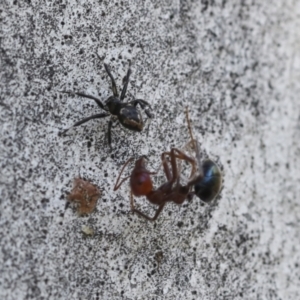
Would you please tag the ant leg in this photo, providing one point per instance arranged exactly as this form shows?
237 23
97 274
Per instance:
99 103
158 211
165 166
118 184
195 145
114 87
125 84
98 116
179 155
160 208
189 125
131 201
175 174
190 196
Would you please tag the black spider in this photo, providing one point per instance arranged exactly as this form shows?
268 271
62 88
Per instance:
128 114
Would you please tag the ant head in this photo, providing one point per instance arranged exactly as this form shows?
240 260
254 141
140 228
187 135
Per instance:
140 180
141 162
207 185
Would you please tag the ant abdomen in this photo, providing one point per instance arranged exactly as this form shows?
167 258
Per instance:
208 186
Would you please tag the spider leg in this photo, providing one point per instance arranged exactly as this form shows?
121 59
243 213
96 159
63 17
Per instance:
109 133
114 87
99 103
125 84
143 104
97 116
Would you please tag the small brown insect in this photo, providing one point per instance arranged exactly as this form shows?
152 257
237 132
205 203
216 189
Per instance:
84 195
171 191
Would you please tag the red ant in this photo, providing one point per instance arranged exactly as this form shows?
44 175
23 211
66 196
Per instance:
206 184
141 183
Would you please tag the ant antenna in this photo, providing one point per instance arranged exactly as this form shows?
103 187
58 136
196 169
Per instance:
190 127
117 185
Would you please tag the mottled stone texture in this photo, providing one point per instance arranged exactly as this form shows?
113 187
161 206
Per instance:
236 64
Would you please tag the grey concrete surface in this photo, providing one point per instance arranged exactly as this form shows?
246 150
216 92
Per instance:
235 64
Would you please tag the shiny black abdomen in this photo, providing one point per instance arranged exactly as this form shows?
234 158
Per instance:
208 186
